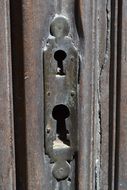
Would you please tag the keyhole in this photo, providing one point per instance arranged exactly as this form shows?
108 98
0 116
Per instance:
60 113
59 56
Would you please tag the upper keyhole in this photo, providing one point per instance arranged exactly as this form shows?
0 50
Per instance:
60 113
59 56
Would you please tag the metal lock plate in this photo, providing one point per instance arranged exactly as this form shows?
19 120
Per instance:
60 92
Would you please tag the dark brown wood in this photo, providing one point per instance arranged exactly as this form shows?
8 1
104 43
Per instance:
94 96
121 138
7 158
28 33
98 29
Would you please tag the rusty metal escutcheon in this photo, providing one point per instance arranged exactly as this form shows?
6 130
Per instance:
61 64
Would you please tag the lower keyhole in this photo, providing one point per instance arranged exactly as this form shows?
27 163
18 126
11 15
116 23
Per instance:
60 113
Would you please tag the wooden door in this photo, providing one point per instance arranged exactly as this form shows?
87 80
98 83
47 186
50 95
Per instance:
98 31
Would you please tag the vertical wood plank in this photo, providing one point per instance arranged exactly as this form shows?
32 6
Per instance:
94 95
121 154
85 100
34 18
33 21
7 158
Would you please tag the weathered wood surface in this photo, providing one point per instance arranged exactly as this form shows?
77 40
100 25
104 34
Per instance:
7 158
29 29
121 154
98 29
94 100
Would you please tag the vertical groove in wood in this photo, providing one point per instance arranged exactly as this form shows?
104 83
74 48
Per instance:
113 93
7 155
101 93
18 93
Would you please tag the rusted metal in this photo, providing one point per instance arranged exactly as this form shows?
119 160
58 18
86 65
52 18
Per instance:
98 30
61 66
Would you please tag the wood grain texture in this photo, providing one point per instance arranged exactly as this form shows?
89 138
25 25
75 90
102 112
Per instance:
121 154
92 22
94 95
7 158
98 29
29 31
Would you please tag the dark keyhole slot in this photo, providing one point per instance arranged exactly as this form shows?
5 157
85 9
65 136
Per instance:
60 113
59 56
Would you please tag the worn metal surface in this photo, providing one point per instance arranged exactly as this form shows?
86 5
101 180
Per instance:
98 29
7 158
61 66
60 90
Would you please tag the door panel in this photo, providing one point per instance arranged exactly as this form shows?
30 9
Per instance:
7 158
98 32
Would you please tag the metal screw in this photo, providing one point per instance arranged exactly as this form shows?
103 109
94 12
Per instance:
48 93
72 93
48 130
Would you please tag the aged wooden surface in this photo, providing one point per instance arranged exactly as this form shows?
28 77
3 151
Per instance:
28 32
98 29
121 154
7 159
94 96
29 35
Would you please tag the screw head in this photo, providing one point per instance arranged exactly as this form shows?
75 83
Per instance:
72 93
48 93
61 170
60 27
48 130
